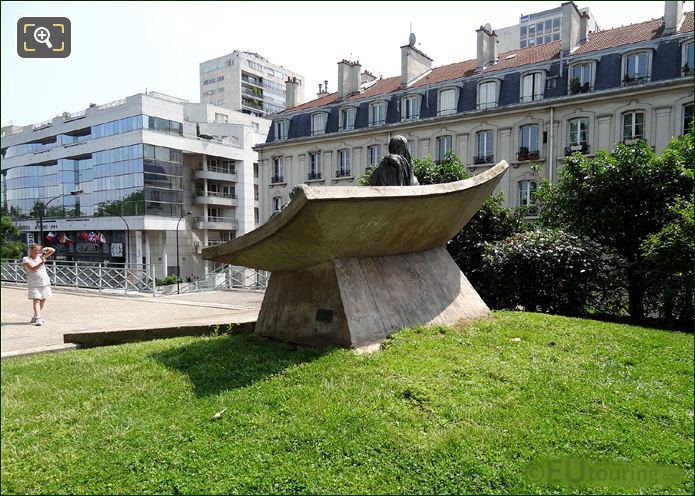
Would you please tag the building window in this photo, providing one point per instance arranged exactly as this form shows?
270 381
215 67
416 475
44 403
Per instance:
278 176
411 148
443 147
688 62
633 126
318 123
484 148
687 117
636 68
528 143
532 87
411 108
377 113
315 165
447 101
343 163
580 78
347 119
487 95
526 200
374 153
277 203
281 128
221 118
578 137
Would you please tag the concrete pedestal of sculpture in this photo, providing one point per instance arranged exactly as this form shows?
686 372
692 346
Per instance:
360 301
352 264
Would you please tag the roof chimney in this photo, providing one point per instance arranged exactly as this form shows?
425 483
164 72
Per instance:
571 26
292 95
673 16
414 63
487 46
583 27
348 78
323 89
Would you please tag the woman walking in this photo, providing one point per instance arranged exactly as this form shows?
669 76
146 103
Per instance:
37 279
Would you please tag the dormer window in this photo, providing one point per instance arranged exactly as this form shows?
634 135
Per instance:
688 66
318 123
377 113
487 95
281 128
347 119
447 101
410 108
532 87
581 78
636 68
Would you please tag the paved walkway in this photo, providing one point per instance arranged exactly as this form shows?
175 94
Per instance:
81 310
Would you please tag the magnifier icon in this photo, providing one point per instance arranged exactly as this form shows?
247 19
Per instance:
43 35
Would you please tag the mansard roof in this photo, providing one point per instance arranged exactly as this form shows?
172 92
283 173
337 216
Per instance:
600 40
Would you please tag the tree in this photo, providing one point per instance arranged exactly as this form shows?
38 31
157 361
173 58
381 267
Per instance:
670 256
448 170
545 269
9 246
619 199
493 222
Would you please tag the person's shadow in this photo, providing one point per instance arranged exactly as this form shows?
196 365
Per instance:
235 361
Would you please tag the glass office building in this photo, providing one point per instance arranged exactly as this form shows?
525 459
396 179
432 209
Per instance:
145 160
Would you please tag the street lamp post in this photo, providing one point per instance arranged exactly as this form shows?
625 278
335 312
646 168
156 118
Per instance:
42 210
178 267
127 240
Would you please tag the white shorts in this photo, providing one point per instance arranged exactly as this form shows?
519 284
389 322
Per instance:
40 293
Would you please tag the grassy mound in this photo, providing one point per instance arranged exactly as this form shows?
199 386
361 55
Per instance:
438 410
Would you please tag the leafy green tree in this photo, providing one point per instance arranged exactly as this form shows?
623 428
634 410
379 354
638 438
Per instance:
9 246
448 170
670 255
619 199
493 222
545 269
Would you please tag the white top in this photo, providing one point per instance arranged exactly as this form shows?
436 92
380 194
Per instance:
39 277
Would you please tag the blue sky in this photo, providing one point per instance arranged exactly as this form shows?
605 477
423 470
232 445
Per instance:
122 48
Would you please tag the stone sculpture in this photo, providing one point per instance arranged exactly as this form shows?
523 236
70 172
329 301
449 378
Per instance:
352 264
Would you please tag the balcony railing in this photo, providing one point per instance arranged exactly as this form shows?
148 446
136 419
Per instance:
314 175
215 194
531 98
633 140
343 173
577 88
220 170
277 179
525 154
633 80
583 148
483 159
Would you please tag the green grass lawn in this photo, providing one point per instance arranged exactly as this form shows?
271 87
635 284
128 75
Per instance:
438 410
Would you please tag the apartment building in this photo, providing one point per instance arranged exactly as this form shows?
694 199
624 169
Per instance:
249 83
115 181
529 106
540 28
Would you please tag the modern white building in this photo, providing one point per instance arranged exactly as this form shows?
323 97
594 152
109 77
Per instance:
541 28
145 160
529 106
249 83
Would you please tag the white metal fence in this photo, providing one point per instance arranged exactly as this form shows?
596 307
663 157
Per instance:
141 278
91 275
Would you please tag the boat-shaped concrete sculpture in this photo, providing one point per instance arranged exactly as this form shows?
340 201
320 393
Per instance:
352 264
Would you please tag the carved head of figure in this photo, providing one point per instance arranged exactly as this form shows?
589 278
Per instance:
399 146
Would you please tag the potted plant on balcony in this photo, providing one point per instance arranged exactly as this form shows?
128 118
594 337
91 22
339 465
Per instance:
574 85
686 69
533 155
523 153
585 88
